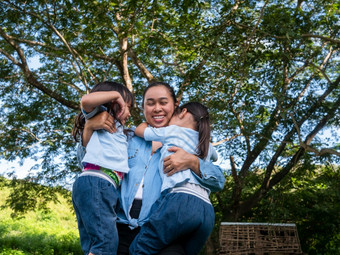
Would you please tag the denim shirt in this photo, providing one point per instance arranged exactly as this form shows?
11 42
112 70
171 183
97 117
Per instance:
143 164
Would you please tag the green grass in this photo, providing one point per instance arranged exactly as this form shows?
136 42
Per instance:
39 232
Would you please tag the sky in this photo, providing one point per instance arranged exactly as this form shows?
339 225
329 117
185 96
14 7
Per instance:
21 171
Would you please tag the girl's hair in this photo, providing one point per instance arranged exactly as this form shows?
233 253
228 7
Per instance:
158 83
201 117
111 108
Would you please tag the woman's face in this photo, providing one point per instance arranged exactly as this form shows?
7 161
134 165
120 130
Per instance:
158 106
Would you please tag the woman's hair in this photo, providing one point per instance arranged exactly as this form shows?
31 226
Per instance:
158 83
111 108
201 117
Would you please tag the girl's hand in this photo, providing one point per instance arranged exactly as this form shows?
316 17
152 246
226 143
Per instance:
179 161
122 106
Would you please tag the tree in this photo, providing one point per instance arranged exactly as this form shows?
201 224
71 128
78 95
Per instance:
268 70
281 85
310 194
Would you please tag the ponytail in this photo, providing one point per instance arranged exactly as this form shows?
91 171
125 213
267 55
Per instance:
203 127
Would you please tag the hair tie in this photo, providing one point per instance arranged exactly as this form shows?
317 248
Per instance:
204 117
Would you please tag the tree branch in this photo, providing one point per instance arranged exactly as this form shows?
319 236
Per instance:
104 57
289 135
187 81
309 148
226 140
124 63
73 53
233 170
328 39
263 190
145 72
30 76
274 122
7 55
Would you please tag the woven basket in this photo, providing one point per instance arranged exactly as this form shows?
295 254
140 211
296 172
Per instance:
259 238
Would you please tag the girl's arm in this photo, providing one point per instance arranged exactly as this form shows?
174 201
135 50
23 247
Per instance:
90 101
102 120
139 131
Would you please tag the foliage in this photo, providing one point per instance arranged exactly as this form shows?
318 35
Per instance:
25 195
311 199
52 231
267 70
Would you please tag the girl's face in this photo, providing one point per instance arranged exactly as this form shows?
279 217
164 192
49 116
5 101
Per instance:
126 115
158 106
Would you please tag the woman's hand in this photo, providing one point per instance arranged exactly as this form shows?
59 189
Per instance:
102 120
179 161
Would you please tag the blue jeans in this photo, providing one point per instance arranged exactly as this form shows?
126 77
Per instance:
175 217
94 201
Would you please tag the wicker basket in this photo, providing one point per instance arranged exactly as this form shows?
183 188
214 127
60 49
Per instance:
259 238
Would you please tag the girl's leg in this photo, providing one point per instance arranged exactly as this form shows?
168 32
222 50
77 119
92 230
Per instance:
177 215
85 240
197 239
95 200
126 236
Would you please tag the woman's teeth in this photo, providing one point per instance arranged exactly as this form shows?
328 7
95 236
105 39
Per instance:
158 117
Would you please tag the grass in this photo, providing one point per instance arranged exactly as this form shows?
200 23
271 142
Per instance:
54 232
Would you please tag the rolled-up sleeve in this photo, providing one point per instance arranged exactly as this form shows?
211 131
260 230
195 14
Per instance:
212 176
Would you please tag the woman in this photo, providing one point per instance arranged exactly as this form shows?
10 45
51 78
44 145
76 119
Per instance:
141 187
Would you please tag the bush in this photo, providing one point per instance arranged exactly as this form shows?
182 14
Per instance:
42 232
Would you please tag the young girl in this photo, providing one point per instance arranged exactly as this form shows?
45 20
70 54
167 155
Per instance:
94 193
183 212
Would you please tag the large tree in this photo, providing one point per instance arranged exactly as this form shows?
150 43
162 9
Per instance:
267 70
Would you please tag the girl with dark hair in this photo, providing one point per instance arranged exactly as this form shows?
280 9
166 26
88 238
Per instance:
184 211
141 187
95 192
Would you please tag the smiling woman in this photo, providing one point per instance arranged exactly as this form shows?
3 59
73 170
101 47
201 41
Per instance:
159 103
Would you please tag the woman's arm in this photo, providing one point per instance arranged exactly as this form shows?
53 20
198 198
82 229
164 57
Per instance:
208 174
102 120
180 160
